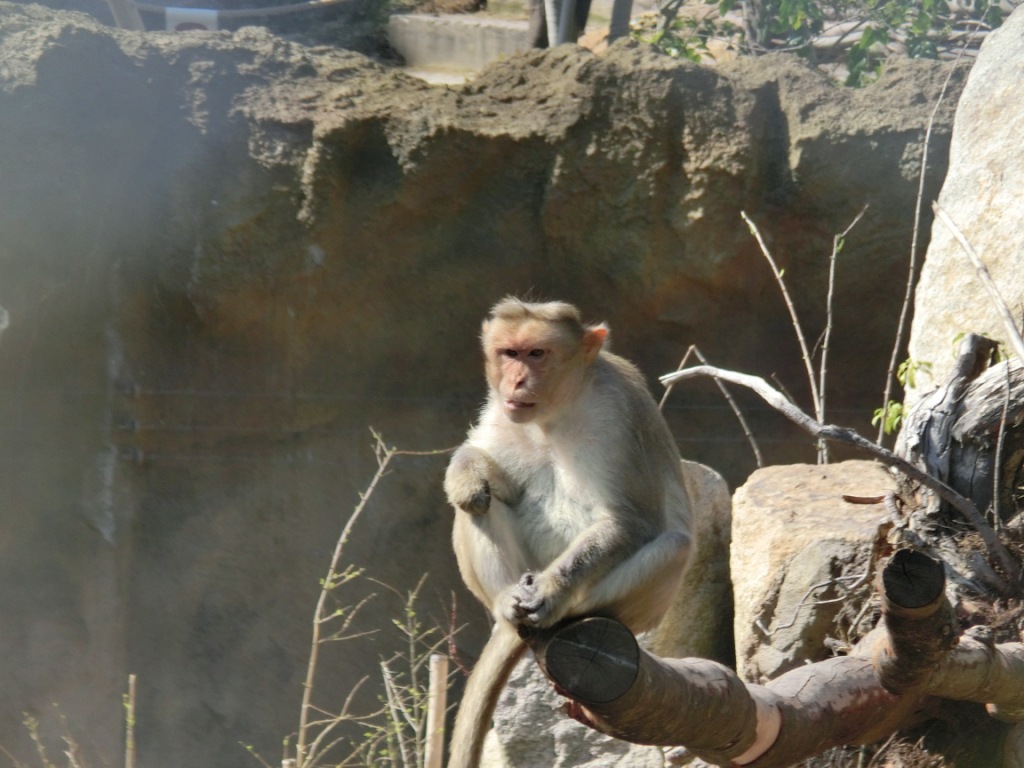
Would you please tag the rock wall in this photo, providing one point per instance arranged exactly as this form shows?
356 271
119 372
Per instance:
226 256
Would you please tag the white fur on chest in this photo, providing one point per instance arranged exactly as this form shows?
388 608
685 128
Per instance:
562 482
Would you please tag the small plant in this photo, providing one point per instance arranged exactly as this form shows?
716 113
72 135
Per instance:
398 736
395 735
682 37
908 370
860 34
891 416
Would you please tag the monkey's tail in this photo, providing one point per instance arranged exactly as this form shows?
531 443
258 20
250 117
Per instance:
499 656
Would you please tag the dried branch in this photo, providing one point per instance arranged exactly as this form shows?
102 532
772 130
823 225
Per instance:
728 397
849 436
794 319
837 245
306 753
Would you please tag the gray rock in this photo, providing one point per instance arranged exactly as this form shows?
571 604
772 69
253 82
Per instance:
982 193
531 730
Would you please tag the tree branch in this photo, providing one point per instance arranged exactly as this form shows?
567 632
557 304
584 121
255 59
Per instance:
898 673
849 436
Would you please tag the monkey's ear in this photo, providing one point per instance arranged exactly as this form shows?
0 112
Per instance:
593 339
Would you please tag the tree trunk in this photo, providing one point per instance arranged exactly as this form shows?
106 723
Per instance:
953 432
896 677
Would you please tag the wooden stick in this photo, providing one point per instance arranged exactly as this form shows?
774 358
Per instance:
129 724
437 704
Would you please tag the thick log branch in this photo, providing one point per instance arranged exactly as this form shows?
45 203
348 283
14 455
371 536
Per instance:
920 652
704 705
622 690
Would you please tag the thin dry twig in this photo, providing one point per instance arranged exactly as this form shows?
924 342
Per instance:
728 398
305 752
987 282
851 437
798 329
837 244
908 294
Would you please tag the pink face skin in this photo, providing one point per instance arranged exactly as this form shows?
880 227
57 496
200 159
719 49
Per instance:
534 366
525 362
521 368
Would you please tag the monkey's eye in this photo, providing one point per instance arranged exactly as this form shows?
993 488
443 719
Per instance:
537 353
509 353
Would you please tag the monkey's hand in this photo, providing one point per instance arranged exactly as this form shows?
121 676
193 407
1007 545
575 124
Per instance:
525 603
471 478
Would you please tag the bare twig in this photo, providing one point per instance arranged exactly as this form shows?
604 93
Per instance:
729 399
908 294
987 282
798 329
837 244
305 756
849 436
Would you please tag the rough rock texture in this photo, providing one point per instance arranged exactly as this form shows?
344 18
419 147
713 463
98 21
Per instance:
531 730
793 536
225 256
982 193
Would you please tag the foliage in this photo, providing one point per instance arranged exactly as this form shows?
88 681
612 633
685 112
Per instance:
397 735
891 416
682 37
859 34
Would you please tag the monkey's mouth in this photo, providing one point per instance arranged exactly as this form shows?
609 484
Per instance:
516 405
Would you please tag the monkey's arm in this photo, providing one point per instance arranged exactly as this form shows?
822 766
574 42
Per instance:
473 477
628 570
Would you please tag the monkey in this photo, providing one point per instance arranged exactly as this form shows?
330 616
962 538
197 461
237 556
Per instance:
568 495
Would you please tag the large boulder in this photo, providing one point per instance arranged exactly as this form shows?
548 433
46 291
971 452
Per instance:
982 194
801 555
225 256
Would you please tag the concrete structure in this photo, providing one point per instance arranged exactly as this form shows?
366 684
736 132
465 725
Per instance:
461 43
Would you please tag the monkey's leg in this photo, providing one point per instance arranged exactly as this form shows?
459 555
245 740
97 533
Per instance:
488 552
606 569
640 590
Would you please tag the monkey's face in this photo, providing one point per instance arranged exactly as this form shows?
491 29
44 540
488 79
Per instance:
532 368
